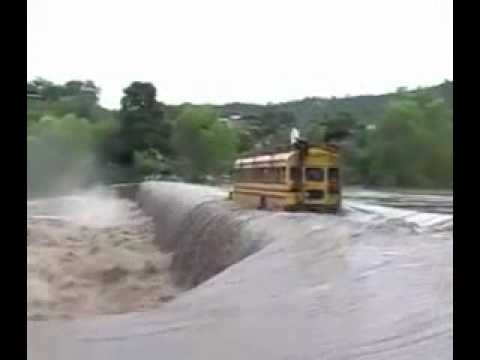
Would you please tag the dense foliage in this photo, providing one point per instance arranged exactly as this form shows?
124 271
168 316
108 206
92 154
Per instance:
412 145
401 139
203 144
61 153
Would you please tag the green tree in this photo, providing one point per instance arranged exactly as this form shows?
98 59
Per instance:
143 125
151 162
413 144
272 127
246 141
341 126
338 127
61 153
272 121
74 97
204 145
315 133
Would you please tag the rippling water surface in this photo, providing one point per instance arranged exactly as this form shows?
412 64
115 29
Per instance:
373 283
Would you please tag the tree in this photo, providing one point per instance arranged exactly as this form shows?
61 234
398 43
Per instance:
32 89
84 89
340 127
413 144
271 127
151 162
204 145
142 121
74 97
336 128
73 87
272 121
61 153
245 141
315 133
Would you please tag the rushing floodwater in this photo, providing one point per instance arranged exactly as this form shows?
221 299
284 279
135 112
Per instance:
422 212
92 254
373 283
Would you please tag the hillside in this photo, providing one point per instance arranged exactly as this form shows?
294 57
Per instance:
78 141
365 108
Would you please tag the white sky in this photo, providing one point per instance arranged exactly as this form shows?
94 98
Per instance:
220 51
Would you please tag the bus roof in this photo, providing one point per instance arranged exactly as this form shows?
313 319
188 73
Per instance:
265 159
284 158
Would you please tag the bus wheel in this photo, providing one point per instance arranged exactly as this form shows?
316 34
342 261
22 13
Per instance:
263 203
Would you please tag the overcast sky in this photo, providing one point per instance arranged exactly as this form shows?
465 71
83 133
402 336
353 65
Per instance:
220 51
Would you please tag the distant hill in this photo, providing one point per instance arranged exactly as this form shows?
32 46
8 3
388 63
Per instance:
365 108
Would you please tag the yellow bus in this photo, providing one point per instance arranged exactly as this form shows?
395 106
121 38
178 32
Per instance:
301 178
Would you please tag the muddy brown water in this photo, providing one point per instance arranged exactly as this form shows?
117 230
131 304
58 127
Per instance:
93 254
374 283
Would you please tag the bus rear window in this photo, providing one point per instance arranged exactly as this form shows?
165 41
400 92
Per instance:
315 174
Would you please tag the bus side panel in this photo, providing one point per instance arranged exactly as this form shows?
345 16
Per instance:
276 202
251 201
269 200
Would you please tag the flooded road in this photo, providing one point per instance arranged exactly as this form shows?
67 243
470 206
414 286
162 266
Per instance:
422 212
423 201
373 283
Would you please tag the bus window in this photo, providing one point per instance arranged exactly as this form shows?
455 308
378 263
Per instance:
269 175
295 174
333 181
253 175
315 174
281 175
248 175
333 174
